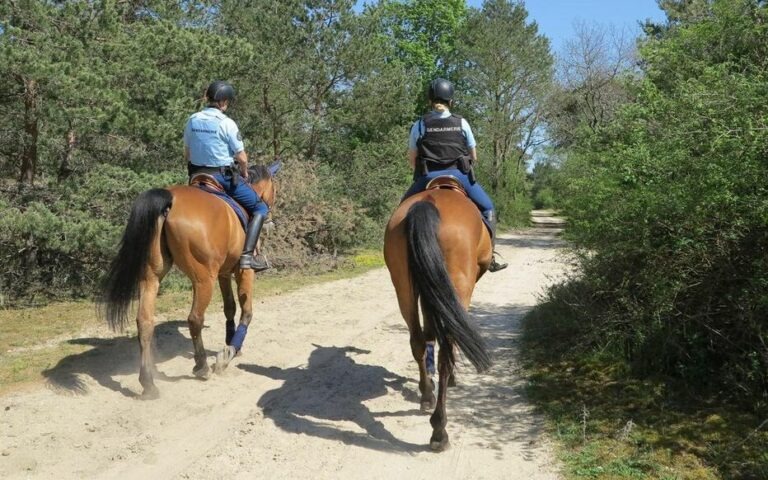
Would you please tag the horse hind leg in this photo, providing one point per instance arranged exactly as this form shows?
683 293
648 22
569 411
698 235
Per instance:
145 323
439 419
230 307
203 291
439 440
420 351
158 267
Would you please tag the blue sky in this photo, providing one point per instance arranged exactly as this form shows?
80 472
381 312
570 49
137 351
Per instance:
556 17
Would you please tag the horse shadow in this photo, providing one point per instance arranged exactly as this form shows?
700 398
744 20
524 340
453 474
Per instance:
111 357
332 388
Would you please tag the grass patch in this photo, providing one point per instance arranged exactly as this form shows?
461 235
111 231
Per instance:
35 339
609 424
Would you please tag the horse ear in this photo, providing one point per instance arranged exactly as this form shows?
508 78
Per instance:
275 167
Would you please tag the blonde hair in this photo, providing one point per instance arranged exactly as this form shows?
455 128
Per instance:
440 106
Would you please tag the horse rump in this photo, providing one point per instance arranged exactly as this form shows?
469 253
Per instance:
433 285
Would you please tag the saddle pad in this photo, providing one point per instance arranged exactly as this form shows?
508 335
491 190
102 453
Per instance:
210 185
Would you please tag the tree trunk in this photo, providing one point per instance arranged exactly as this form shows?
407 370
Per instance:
495 163
31 131
314 136
64 167
269 109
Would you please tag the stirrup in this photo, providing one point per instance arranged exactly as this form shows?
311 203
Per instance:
257 263
495 266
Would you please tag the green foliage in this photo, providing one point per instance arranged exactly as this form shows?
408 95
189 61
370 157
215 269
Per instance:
668 208
425 34
544 198
546 183
503 102
55 242
90 89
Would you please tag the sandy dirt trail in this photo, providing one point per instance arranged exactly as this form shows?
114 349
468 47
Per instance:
335 398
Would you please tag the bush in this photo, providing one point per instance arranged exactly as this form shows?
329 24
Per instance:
56 240
544 198
310 220
668 207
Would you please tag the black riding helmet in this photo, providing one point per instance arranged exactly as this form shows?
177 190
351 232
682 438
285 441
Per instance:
219 91
440 89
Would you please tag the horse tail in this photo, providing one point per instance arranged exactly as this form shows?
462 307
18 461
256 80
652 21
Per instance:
432 283
121 284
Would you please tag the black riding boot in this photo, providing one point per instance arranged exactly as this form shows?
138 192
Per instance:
495 266
248 259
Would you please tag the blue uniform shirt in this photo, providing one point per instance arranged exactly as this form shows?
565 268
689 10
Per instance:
417 130
213 138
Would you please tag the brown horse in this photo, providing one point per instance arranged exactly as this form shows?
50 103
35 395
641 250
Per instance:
203 237
436 247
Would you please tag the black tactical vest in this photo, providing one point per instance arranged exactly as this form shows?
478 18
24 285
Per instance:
442 142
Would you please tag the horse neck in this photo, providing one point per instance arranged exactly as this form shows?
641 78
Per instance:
264 188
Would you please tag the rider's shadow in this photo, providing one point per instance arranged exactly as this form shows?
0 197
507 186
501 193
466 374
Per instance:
333 387
111 357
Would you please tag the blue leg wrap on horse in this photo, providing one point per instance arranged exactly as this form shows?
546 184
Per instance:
230 332
237 340
430 360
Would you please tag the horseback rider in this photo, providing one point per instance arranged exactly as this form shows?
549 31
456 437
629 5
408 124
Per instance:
213 145
443 144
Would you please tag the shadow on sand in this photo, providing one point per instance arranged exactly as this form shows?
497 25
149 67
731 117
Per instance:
117 356
540 239
494 403
333 387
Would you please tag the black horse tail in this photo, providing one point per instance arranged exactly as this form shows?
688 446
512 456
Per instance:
121 284
433 285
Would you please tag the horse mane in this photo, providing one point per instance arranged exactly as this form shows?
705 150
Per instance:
258 172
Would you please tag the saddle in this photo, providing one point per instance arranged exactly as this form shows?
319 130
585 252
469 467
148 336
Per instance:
209 184
446 182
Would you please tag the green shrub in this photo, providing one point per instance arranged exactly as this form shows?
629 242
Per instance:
668 208
56 241
544 198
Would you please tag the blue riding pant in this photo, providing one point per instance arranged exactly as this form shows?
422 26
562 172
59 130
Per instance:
474 190
243 193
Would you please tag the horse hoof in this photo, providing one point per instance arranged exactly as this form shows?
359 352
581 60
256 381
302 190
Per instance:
150 394
439 446
451 381
427 407
203 372
223 358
